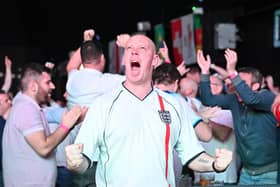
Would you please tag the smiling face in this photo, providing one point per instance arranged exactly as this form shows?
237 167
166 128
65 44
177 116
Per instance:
139 59
216 85
45 87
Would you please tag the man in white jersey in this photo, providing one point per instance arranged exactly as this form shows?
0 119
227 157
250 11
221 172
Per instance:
136 127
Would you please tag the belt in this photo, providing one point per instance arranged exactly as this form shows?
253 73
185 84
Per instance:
261 169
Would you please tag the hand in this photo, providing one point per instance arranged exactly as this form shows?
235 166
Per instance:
88 34
122 39
222 159
209 112
204 63
74 157
163 52
70 118
182 68
231 58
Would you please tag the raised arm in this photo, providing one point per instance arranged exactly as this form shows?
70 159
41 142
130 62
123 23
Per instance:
231 58
122 39
204 63
8 75
75 60
164 54
221 71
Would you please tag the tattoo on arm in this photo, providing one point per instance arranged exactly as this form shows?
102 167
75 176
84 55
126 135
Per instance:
203 160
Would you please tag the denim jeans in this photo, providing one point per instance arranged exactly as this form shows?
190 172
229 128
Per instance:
265 178
64 177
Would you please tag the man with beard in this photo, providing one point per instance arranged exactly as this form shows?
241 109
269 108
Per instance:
28 145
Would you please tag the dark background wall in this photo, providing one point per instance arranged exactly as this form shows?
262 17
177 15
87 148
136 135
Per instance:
42 30
255 22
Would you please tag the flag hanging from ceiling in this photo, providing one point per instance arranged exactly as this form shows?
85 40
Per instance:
159 34
115 54
182 35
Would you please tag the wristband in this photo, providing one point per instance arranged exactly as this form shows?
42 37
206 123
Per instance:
64 128
217 171
234 74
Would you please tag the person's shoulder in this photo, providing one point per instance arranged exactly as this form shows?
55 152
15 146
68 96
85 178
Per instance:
109 96
171 97
114 76
73 72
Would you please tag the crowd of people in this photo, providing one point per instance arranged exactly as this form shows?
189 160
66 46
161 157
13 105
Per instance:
148 127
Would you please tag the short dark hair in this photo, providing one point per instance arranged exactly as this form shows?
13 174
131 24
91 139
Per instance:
91 51
32 71
165 73
257 77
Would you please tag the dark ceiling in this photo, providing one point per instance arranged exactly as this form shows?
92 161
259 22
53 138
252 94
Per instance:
57 26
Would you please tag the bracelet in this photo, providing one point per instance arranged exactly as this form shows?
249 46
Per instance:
234 74
64 128
217 171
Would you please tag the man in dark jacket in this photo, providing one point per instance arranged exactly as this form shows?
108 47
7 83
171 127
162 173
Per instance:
254 122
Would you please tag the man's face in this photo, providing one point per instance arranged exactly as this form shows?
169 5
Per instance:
45 87
216 85
139 59
194 76
246 77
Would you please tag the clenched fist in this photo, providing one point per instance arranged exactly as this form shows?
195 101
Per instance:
74 156
223 158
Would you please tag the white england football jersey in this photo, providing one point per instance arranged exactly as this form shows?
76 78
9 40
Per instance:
130 135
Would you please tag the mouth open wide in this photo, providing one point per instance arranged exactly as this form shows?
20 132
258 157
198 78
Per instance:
135 65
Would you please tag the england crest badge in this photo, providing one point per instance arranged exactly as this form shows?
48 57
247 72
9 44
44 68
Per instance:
165 116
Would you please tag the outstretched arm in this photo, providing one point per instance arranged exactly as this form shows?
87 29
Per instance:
8 75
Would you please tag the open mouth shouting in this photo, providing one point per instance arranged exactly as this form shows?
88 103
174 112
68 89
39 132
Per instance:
134 65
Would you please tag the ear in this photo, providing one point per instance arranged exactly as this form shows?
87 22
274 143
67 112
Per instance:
33 86
156 61
256 86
